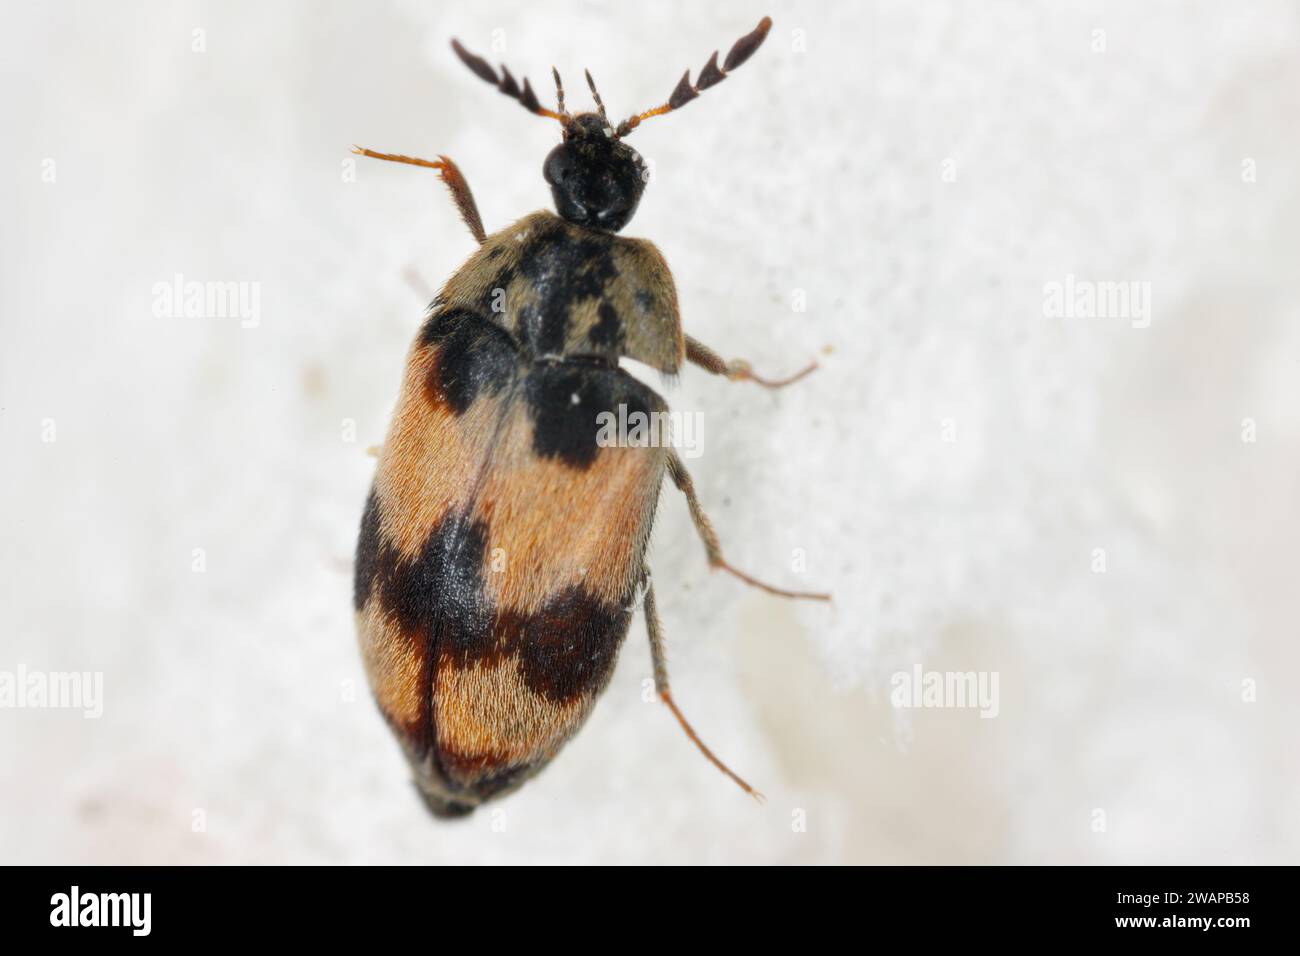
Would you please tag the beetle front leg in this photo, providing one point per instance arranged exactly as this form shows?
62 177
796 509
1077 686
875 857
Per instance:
738 370
450 174
682 479
659 659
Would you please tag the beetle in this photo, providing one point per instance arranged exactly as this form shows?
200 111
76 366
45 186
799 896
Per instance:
502 546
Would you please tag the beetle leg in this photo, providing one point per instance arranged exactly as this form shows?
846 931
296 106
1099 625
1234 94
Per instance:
682 479
659 659
738 370
450 174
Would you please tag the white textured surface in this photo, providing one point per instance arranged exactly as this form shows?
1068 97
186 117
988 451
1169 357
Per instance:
819 171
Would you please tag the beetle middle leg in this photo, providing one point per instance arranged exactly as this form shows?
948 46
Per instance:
659 659
682 479
738 370
450 174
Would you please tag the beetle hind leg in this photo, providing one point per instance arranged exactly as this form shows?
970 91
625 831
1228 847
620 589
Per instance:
659 659
682 479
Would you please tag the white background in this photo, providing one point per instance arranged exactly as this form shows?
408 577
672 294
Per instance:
817 168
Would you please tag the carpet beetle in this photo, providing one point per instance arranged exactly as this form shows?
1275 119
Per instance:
502 548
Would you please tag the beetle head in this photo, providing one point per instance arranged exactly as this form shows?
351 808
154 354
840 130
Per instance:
596 179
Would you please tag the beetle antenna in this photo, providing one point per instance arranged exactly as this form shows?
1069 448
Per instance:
596 96
711 75
559 91
506 83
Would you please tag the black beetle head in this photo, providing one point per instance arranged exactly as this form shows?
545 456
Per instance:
595 177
